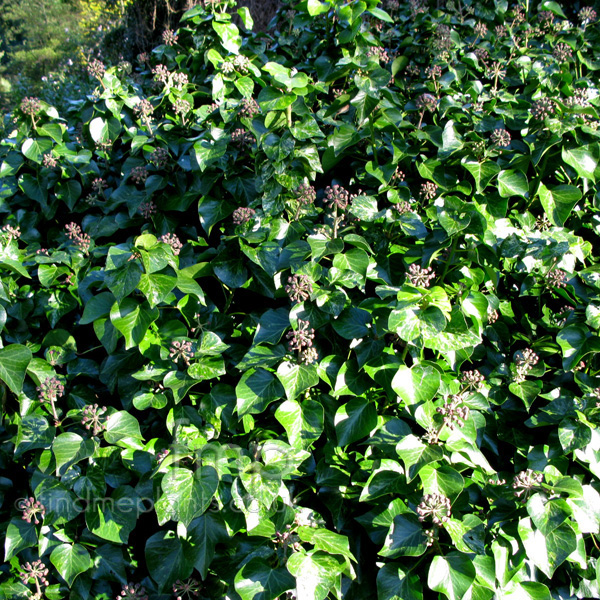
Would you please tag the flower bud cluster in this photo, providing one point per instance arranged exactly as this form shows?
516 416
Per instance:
397 177
241 138
562 52
162 454
169 37
160 158
96 68
180 80
545 19
305 194
147 209
308 356
182 350
33 510
428 190
435 507
556 278
299 288
139 174
379 54
161 73
455 413
98 185
500 137
526 481
132 591
181 106
302 337
144 108
50 389
525 361
287 539
35 570
542 108
434 72
93 418
80 239
10 233
426 102
403 207
473 379
30 106
420 277
587 15
185 590
337 196
481 30
242 215
173 241
49 161
249 108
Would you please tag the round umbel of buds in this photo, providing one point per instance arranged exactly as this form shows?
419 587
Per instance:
173 241
37 571
186 590
132 591
305 194
587 15
181 106
562 52
242 215
455 413
473 380
169 37
435 507
299 288
33 510
336 195
159 158
428 190
302 337
249 108
542 108
500 137
147 209
526 481
426 102
96 68
49 161
50 389
181 350
30 106
139 174
525 360
93 418
556 278
10 233
144 108
420 277
309 356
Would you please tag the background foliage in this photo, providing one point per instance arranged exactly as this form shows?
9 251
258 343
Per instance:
309 313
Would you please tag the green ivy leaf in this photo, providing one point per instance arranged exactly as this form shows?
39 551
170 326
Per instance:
14 360
167 559
186 494
296 378
354 420
406 537
257 580
70 561
452 575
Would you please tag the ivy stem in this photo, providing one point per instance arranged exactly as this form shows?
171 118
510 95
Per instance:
335 221
373 143
288 111
404 352
449 260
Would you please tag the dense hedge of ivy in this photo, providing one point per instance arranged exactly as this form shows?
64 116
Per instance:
309 314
